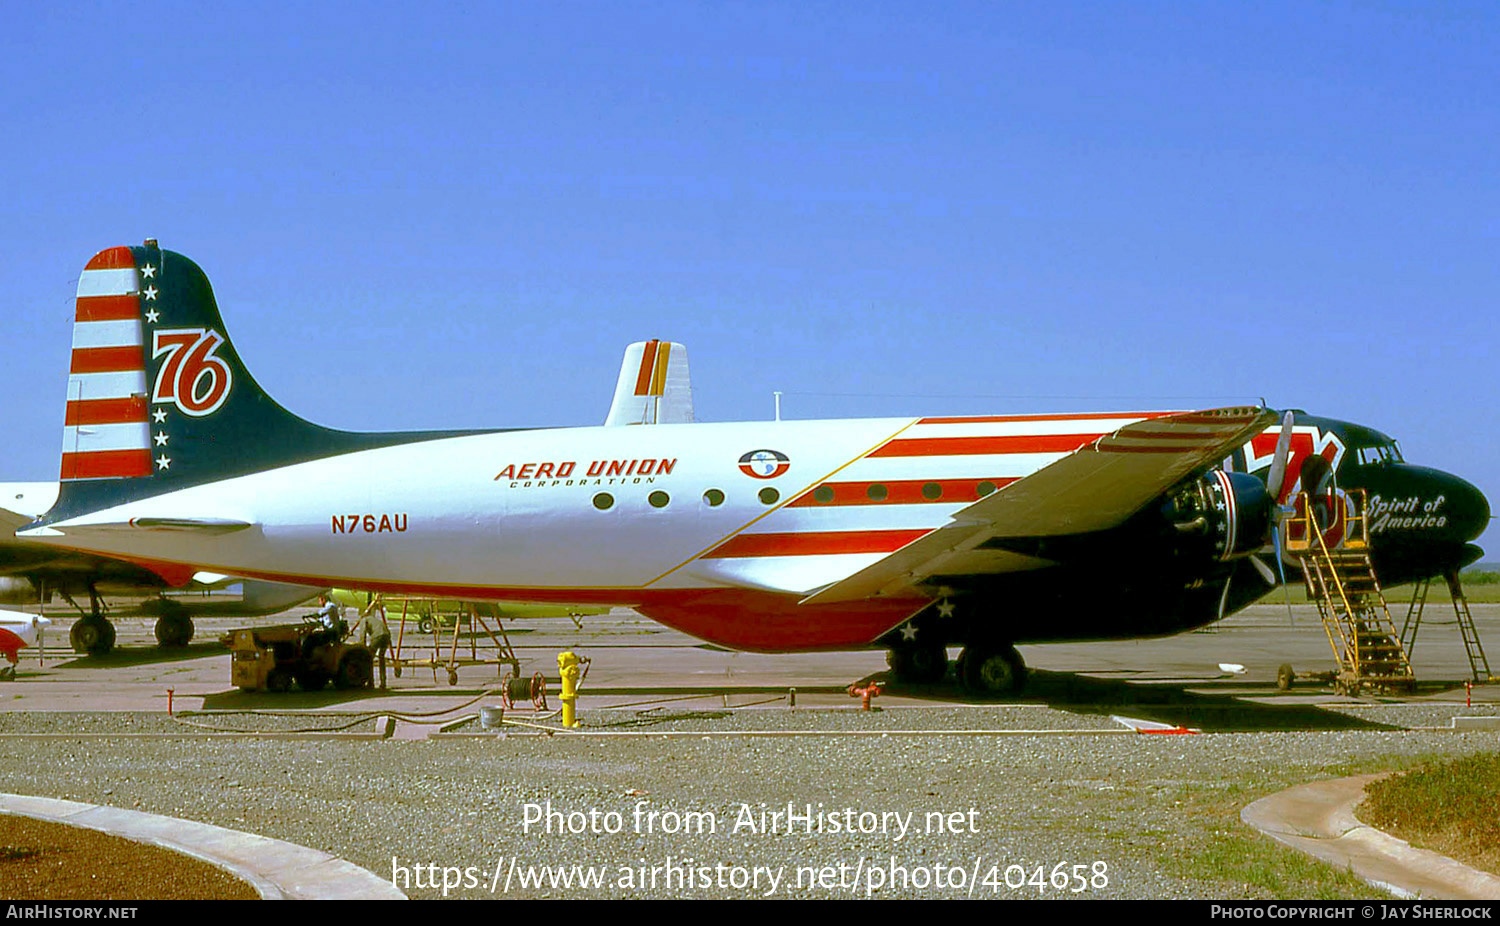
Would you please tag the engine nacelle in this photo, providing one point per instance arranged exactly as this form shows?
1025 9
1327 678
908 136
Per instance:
1225 514
17 590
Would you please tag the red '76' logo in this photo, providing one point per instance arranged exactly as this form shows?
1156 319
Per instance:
190 376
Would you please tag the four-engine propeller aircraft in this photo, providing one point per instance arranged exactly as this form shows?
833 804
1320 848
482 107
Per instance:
912 533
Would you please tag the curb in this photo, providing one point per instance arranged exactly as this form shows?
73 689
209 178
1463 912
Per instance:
277 870
1318 818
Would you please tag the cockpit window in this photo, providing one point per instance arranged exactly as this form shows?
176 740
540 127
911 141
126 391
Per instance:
1380 454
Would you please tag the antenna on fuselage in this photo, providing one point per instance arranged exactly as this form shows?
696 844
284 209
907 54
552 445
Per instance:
777 395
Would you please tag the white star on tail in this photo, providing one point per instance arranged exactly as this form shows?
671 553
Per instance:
163 462
909 632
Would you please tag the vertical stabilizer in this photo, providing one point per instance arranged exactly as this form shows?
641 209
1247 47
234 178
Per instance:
653 387
158 398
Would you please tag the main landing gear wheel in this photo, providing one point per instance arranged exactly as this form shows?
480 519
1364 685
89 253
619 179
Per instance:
989 671
918 665
174 630
92 635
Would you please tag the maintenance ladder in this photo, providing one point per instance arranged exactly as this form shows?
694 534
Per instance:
1479 666
1330 537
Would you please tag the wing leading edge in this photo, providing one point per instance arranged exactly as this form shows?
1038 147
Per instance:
1095 488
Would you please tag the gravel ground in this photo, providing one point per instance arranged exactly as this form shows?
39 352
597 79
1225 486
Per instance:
1127 808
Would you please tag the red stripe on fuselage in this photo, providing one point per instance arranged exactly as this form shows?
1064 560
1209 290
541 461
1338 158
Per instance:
972 446
814 543
899 492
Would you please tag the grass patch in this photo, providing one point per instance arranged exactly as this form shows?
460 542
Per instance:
1452 807
1235 862
1251 866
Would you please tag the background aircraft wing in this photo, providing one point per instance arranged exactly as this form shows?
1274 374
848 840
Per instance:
1093 489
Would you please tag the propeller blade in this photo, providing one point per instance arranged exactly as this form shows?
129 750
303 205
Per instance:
1277 475
1281 568
1264 570
1224 596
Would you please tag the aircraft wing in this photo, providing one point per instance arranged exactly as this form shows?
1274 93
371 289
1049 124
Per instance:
1095 488
11 521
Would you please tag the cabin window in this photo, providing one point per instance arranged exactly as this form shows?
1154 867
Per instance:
823 494
713 498
985 488
769 496
658 499
932 491
604 501
877 492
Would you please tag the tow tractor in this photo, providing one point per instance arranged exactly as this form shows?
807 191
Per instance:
271 658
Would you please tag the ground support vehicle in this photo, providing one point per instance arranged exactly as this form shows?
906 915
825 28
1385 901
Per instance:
272 658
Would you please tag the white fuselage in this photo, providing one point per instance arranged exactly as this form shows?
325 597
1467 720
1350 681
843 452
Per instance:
523 514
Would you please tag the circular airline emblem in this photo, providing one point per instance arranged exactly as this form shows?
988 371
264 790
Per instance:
764 464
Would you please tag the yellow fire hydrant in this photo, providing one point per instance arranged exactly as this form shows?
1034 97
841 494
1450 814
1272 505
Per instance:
572 668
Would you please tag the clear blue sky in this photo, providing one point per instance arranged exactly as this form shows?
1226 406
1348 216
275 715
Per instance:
457 214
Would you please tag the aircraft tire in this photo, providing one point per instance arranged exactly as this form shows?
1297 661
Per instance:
992 671
174 630
918 665
92 635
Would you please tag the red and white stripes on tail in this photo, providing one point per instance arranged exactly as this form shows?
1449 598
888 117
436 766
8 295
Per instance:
105 432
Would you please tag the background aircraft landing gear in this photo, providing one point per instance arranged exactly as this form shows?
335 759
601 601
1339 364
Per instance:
989 670
92 634
918 663
174 629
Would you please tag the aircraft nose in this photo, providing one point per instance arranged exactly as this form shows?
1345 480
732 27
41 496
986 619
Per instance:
1419 504
1471 510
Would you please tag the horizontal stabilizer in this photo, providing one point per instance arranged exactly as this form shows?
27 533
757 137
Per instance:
207 526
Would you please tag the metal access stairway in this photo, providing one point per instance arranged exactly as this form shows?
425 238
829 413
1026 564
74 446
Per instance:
1479 665
1330 539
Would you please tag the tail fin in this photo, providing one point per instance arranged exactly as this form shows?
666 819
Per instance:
158 398
653 387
